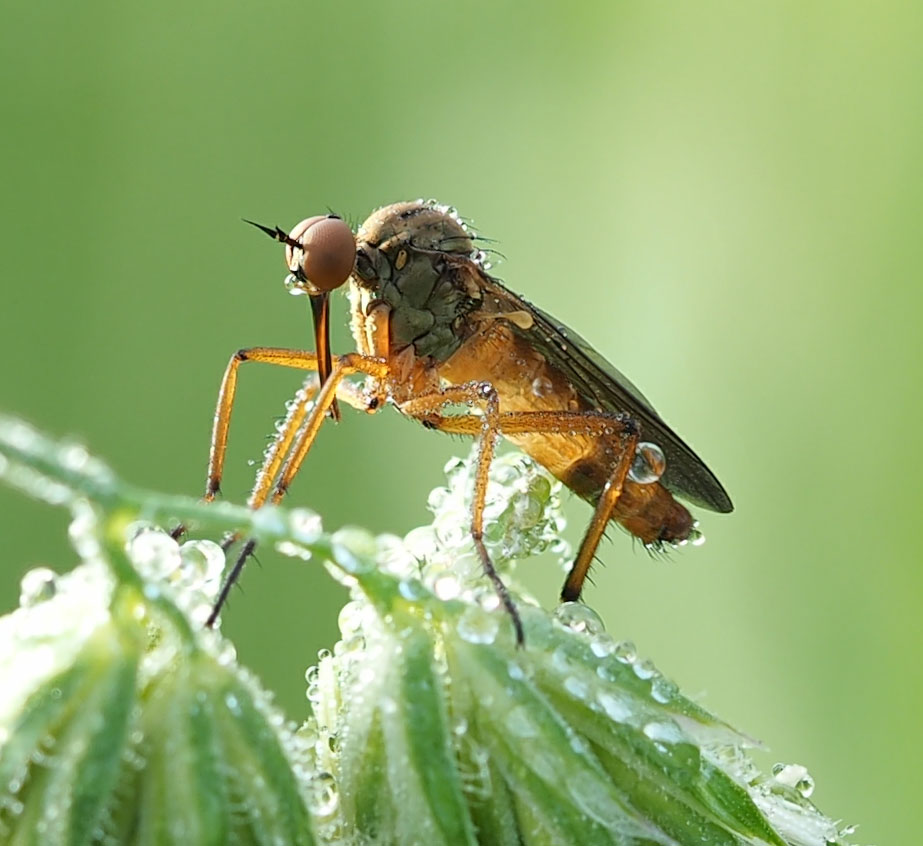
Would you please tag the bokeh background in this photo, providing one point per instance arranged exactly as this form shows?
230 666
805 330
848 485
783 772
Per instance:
724 197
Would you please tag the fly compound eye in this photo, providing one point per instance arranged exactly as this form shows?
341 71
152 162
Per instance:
327 251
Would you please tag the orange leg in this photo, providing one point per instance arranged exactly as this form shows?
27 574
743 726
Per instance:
487 429
539 422
297 411
296 359
344 365
573 584
293 427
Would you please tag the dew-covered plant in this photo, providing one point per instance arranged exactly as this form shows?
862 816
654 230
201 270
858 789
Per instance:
124 720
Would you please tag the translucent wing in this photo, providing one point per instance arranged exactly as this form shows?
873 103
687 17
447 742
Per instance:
605 388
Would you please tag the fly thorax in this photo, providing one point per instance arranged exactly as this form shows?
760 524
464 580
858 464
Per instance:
428 300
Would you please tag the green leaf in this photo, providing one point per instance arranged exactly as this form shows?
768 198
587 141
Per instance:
428 725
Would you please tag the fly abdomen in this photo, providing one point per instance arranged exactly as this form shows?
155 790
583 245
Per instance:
647 511
651 514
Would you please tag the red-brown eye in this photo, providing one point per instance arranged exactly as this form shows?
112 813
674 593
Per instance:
328 251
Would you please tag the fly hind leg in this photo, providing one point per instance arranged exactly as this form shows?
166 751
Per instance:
594 424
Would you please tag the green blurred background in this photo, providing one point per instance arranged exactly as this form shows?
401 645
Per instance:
724 197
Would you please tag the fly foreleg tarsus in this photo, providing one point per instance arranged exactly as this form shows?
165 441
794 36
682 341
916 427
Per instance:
498 585
305 414
245 552
229 539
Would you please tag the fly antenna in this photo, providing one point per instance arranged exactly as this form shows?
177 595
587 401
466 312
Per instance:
275 233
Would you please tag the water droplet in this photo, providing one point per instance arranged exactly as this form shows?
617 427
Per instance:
82 531
515 671
626 652
665 732
488 599
576 687
477 626
649 464
154 553
202 564
520 723
602 645
36 586
324 794
294 286
304 525
645 669
805 786
227 653
542 386
579 618
350 619
411 589
73 456
615 707
794 775
357 540
446 586
663 690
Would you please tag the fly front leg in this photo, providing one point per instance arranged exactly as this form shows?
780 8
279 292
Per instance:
280 357
296 359
589 423
345 365
300 428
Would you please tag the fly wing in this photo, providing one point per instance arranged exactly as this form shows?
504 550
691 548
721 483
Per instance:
605 388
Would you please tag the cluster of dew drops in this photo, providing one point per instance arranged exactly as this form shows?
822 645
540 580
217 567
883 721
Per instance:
190 573
192 570
522 518
319 734
785 777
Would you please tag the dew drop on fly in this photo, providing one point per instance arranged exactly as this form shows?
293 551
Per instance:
649 464
294 286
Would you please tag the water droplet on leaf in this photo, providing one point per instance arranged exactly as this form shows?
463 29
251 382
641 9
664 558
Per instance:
579 618
36 586
477 626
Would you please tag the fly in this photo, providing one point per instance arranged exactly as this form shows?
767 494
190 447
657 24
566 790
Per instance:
433 329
